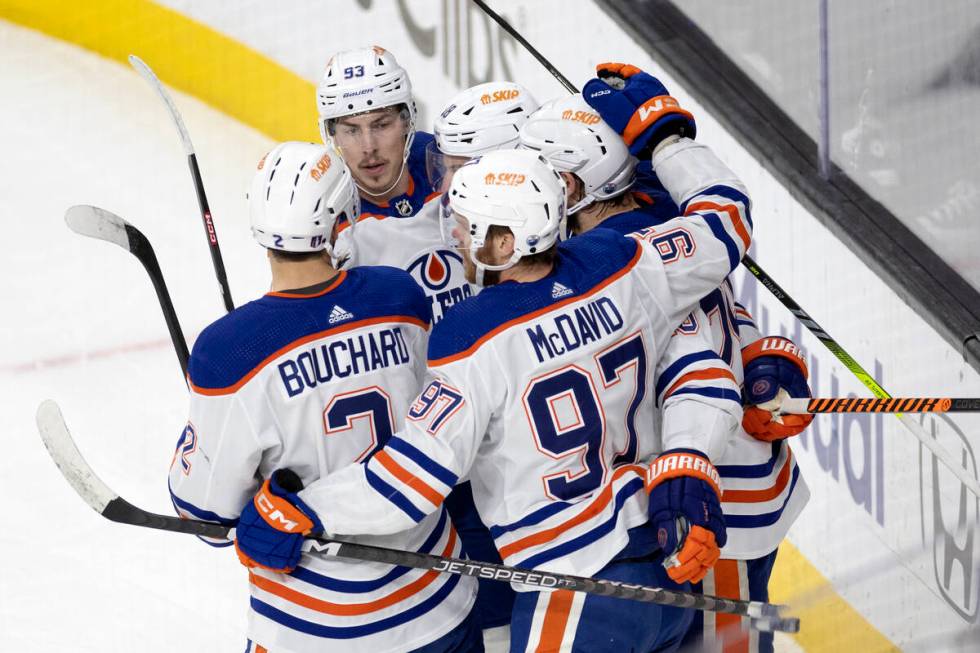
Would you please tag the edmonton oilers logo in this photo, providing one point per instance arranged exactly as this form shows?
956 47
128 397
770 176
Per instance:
434 269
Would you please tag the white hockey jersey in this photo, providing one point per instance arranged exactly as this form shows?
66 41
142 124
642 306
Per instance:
764 491
404 233
313 383
531 398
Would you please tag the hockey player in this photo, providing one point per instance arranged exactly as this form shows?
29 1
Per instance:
367 111
478 120
763 490
313 376
475 121
532 399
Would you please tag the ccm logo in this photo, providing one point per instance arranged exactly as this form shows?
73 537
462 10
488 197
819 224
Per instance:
274 516
498 96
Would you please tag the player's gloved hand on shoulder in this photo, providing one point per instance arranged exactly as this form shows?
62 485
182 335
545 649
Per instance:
273 524
774 370
685 508
638 106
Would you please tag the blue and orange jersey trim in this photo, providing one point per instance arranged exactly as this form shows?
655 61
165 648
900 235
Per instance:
474 322
349 326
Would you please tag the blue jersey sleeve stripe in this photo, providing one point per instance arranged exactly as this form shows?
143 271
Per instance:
767 519
718 229
753 471
549 510
731 194
363 586
391 494
674 369
712 393
199 513
445 476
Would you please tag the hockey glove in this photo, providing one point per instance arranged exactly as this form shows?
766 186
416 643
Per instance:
637 105
685 508
774 370
272 526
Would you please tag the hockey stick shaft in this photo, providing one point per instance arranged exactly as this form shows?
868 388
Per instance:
98 223
83 479
958 470
202 199
872 405
500 20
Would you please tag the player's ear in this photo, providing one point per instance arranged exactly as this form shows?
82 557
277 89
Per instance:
502 246
573 187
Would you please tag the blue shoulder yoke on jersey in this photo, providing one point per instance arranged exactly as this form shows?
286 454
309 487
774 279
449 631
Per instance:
238 343
419 188
584 265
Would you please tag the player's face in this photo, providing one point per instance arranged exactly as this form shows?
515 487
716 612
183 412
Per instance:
450 165
373 145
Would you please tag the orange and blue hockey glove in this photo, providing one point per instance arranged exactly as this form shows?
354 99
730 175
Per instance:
774 369
685 510
638 106
272 526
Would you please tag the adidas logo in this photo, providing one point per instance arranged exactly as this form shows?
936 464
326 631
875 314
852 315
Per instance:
559 290
338 314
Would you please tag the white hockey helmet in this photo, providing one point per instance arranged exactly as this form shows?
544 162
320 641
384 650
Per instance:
517 189
362 80
572 136
299 192
477 120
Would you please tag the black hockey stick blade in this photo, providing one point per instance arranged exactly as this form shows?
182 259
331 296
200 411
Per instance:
61 447
104 225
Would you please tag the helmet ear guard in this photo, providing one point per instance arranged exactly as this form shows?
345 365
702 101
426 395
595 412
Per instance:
299 194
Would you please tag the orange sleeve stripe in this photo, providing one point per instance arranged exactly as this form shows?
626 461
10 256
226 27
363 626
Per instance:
597 506
536 314
767 494
350 326
701 375
732 212
432 495
555 620
353 609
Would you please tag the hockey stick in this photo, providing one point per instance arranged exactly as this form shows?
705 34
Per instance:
202 199
813 406
60 445
98 223
958 470
930 443
500 20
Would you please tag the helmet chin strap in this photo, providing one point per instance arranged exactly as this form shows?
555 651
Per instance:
401 173
482 268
